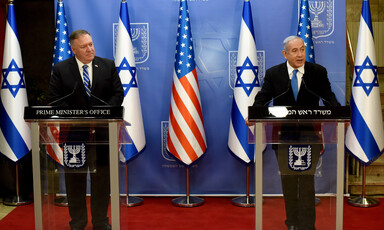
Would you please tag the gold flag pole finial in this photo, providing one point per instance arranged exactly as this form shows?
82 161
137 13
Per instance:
10 2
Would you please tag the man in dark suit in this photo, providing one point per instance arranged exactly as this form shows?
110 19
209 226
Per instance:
312 84
90 81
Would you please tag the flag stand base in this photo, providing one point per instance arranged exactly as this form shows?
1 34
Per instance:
61 201
244 201
131 201
188 201
16 201
363 202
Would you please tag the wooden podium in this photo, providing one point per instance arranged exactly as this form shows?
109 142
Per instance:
265 117
43 117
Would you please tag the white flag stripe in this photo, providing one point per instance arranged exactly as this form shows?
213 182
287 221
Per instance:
5 148
235 146
186 129
246 42
188 102
56 148
179 148
355 145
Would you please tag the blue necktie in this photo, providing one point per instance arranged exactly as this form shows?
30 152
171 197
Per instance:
86 80
294 84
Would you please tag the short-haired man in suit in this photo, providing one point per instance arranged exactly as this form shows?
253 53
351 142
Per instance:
312 85
101 86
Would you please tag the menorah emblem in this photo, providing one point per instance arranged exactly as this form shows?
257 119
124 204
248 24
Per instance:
135 33
299 157
70 153
317 7
74 150
299 152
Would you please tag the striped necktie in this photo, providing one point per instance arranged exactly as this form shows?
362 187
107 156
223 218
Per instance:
294 84
86 80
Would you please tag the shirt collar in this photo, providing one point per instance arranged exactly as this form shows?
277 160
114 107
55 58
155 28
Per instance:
291 69
80 64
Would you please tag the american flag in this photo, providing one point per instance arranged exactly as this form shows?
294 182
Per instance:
61 51
125 64
365 135
15 133
304 30
246 87
186 134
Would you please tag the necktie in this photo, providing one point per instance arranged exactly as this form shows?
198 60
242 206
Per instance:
294 84
86 80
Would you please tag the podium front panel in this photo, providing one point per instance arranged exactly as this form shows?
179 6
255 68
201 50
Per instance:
74 160
302 155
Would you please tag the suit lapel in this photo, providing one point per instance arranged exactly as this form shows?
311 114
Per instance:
96 72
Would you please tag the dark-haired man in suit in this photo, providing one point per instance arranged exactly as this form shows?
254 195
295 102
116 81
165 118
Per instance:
90 81
311 85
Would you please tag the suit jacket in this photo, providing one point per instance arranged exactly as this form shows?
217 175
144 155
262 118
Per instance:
66 79
314 86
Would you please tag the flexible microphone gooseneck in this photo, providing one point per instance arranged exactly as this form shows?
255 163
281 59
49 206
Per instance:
66 96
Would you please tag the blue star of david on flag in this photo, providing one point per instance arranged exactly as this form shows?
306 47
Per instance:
367 65
124 65
13 67
248 87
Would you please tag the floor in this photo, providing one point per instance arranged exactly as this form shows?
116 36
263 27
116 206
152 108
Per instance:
4 209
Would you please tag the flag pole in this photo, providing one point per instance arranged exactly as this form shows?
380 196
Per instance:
246 201
187 201
130 201
363 201
17 200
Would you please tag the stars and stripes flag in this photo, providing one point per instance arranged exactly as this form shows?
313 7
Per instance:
126 67
304 30
61 51
15 133
186 135
365 135
247 85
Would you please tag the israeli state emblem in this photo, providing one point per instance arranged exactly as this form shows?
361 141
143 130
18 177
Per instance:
74 155
299 157
140 40
322 17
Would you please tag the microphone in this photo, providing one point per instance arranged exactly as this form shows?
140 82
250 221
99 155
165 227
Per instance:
66 96
105 103
318 96
286 91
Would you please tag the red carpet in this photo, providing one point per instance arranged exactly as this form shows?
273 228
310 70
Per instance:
215 214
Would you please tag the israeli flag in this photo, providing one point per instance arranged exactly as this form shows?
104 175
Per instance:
15 133
365 136
125 64
246 87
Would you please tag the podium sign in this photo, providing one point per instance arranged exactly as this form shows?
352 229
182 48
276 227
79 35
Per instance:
312 126
80 129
